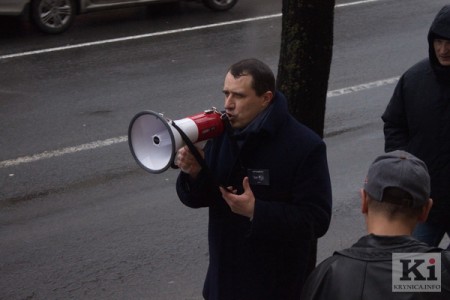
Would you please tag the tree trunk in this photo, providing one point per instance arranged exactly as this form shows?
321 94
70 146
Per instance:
304 66
305 58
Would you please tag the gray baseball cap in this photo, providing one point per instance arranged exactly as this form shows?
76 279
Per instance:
402 170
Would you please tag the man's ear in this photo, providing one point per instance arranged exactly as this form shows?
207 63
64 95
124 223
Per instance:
267 98
364 201
425 210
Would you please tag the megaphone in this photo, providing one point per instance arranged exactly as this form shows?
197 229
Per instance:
154 139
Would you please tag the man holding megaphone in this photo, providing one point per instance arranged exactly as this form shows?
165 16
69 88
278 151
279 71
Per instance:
266 183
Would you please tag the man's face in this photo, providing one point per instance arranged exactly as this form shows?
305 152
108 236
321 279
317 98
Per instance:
242 104
442 50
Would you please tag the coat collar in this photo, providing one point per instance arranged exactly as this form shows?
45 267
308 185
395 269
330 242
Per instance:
267 121
380 248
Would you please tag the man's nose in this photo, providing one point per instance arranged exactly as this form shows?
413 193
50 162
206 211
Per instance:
229 104
445 47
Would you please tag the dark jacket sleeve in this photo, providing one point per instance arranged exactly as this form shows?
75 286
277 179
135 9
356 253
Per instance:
396 131
308 215
201 192
196 193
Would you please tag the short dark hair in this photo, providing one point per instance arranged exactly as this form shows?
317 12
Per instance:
395 202
263 78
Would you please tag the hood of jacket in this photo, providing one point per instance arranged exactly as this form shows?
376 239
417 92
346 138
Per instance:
440 28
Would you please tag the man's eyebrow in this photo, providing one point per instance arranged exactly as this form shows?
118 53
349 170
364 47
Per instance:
231 92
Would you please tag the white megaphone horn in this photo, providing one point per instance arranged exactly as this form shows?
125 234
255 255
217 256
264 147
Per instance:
154 139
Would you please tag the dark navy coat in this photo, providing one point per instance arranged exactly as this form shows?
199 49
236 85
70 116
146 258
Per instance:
266 257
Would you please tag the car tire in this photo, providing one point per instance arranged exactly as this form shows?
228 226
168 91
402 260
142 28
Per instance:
53 16
220 5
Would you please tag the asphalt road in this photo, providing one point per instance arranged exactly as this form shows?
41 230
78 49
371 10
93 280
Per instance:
79 219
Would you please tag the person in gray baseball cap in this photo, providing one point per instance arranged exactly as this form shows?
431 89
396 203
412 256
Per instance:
395 198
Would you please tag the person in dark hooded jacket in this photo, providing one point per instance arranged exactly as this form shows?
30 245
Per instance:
417 119
278 198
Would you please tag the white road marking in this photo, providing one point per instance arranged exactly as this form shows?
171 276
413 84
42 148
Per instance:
167 32
64 151
123 138
356 3
362 87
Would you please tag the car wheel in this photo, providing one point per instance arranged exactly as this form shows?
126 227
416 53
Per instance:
220 5
53 16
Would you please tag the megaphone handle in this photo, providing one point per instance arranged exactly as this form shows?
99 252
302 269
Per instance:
191 147
197 155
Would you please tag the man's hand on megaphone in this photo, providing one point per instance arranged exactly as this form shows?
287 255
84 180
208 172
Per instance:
186 161
243 204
